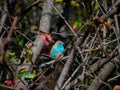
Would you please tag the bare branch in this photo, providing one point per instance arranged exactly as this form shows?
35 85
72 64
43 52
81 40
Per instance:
38 43
64 71
95 85
44 26
4 17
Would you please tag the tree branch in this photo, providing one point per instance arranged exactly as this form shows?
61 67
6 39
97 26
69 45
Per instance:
64 71
4 17
102 76
38 42
44 26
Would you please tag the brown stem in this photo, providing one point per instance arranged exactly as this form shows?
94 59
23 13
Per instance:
102 62
12 28
95 85
100 41
7 87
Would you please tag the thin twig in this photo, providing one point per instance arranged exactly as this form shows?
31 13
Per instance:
64 20
73 74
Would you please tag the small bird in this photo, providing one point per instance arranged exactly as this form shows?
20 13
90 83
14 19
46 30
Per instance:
57 50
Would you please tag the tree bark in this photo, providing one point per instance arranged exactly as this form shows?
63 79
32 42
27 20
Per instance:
64 71
44 26
4 17
104 73
38 43
97 66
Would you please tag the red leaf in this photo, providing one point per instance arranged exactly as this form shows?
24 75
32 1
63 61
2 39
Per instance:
116 87
9 82
5 42
47 38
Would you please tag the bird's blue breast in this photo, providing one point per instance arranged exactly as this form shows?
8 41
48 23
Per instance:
58 48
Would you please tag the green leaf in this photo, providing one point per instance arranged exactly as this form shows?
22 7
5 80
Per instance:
30 51
29 75
77 23
74 3
21 42
80 24
33 27
10 55
96 6
88 81
58 1
14 59
29 55
21 72
90 52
